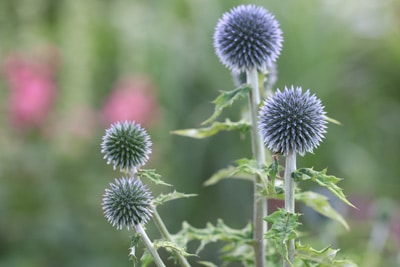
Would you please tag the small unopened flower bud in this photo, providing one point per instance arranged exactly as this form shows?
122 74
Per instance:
127 203
247 37
126 145
292 122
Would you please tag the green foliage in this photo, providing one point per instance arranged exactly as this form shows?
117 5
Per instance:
320 204
215 128
236 240
152 176
226 99
170 246
231 172
321 258
146 259
162 198
274 169
283 229
243 169
322 179
135 239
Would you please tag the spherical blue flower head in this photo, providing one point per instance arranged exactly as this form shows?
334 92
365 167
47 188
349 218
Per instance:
127 203
291 121
247 37
126 145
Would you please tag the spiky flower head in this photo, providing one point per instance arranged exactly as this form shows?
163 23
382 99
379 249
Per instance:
247 37
127 203
292 122
126 145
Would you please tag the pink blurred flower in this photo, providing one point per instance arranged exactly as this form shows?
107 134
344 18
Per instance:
132 99
395 227
32 88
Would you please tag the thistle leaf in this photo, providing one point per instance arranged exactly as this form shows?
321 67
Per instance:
283 229
215 128
323 258
132 250
152 176
171 246
243 169
213 233
321 204
162 198
226 99
322 179
230 172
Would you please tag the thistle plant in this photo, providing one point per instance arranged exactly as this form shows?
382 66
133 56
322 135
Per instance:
248 41
128 202
292 122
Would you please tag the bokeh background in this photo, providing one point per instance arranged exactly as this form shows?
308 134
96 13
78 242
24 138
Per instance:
69 68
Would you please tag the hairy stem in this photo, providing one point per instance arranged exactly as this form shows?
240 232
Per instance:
166 235
147 243
290 167
259 205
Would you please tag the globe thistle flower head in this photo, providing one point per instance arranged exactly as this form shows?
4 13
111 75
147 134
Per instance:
127 203
247 37
126 145
292 121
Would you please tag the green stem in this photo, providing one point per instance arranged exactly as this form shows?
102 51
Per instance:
259 205
166 235
290 167
163 229
147 243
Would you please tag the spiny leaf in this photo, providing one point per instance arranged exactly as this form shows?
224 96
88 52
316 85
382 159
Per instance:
321 204
230 172
322 179
324 257
152 176
226 99
283 229
132 251
234 252
244 169
215 128
213 233
275 168
171 246
284 225
162 198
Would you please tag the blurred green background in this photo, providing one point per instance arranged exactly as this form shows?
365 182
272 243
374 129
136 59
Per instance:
66 65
